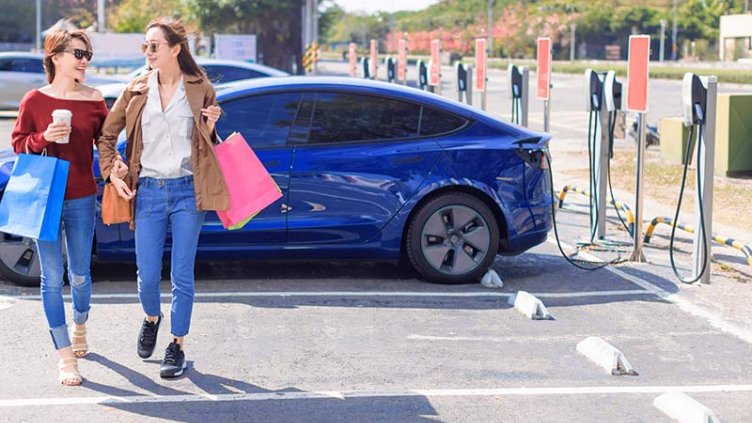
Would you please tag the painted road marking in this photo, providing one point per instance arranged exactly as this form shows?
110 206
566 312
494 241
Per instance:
563 391
714 319
559 338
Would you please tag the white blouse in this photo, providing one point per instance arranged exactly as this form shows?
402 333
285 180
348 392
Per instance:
166 134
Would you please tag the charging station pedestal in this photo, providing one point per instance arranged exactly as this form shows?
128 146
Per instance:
704 191
519 89
464 83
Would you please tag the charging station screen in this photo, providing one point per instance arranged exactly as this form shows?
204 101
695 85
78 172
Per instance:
637 73
353 59
401 59
544 68
433 77
480 64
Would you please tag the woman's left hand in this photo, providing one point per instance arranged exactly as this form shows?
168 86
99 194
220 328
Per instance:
211 114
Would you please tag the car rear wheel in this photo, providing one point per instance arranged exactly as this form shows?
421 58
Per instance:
453 239
19 261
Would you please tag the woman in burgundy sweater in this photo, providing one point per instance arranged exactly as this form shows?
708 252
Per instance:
67 54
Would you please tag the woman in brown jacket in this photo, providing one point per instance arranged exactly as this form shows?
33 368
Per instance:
169 115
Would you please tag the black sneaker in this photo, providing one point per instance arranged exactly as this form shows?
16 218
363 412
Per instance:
147 337
173 364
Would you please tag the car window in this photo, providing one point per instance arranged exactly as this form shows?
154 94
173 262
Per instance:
4 64
339 117
302 123
26 65
219 74
264 120
435 122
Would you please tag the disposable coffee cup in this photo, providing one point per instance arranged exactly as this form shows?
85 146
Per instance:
62 115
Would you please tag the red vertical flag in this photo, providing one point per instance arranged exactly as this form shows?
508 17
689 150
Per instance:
353 57
434 74
544 68
480 64
374 58
402 60
637 73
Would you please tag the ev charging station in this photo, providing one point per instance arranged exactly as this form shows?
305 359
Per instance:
699 96
603 102
391 69
464 83
422 75
366 66
519 87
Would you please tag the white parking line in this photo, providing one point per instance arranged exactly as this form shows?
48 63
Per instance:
560 338
419 294
342 395
714 319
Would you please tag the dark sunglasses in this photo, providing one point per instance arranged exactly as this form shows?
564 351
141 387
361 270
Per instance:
151 46
80 54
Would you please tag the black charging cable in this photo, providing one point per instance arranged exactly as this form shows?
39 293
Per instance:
573 261
687 157
611 129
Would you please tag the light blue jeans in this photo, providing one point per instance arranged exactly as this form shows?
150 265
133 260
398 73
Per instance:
78 224
160 202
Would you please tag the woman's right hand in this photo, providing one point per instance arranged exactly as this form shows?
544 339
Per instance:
122 188
119 169
56 130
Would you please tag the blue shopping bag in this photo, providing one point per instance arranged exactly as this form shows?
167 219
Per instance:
32 204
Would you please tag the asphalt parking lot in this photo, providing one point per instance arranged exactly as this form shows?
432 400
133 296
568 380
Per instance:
370 342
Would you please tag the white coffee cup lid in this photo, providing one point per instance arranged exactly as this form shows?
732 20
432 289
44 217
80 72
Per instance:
62 112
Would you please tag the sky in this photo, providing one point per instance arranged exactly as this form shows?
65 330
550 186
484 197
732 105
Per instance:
371 6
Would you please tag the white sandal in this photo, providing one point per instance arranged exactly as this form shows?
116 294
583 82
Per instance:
69 377
79 345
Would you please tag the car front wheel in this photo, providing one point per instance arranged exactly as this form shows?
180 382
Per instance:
453 239
19 261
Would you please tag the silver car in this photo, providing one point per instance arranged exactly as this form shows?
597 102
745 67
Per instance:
21 72
219 71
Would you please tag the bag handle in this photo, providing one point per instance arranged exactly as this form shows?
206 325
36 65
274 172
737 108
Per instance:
43 153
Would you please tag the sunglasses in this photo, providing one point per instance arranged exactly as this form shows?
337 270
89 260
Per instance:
151 46
80 54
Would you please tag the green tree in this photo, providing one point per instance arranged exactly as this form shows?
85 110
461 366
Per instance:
134 15
276 23
700 19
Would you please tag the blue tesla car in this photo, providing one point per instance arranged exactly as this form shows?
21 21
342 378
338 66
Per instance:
369 171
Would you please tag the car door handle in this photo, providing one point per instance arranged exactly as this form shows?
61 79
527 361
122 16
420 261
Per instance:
271 163
408 160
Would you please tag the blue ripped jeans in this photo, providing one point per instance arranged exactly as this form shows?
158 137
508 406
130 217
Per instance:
78 226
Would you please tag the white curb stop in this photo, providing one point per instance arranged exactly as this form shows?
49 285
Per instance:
605 355
529 305
491 280
681 407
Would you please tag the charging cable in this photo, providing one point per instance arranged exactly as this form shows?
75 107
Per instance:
688 155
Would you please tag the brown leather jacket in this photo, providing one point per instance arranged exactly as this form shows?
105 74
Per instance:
209 184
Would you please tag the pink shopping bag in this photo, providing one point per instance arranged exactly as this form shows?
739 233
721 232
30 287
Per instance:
251 187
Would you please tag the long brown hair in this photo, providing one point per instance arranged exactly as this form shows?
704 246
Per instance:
174 32
56 41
